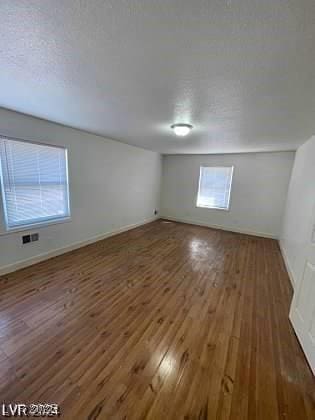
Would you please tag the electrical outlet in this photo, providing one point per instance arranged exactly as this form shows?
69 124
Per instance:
156 211
26 239
34 237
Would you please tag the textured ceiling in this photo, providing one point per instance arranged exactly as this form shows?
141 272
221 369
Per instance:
241 71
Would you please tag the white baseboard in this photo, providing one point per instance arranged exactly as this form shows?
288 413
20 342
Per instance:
287 264
55 252
226 228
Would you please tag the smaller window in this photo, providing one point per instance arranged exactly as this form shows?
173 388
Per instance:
215 187
34 181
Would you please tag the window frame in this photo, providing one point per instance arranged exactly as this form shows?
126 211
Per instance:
230 192
29 226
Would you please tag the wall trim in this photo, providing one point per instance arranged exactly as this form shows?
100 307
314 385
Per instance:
221 227
76 245
287 264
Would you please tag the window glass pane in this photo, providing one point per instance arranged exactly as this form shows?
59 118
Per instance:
34 182
215 187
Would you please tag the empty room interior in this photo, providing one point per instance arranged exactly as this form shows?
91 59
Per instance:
157 209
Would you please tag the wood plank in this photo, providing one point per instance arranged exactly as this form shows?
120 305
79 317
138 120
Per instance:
166 321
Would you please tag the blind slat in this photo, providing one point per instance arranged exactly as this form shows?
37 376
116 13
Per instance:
34 182
215 187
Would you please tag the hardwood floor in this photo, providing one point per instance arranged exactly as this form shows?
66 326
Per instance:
167 321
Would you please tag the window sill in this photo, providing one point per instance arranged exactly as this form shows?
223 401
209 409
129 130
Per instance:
34 226
212 208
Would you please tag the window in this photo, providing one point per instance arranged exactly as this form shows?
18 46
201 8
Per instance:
34 182
215 187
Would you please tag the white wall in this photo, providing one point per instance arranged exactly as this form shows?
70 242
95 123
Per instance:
112 186
297 223
258 196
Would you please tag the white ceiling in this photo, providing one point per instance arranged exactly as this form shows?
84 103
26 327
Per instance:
241 71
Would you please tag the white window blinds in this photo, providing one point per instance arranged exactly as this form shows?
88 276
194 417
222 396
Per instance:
34 180
215 187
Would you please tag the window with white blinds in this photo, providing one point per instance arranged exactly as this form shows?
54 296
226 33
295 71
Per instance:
34 182
215 187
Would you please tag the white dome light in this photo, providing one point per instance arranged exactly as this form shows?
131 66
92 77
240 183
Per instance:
181 129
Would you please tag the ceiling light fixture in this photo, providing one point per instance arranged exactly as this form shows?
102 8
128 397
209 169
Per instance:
181 129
